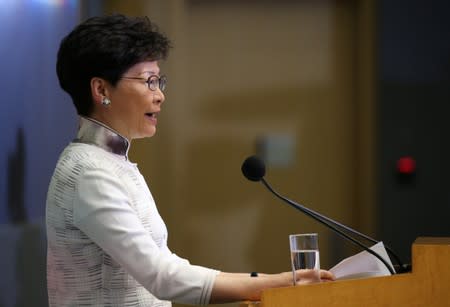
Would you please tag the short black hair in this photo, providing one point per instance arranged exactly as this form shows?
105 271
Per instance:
105 47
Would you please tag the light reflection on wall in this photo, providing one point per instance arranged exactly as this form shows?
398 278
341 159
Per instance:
36 117
37 120
70 3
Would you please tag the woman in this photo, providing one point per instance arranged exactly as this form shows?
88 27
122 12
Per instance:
107 244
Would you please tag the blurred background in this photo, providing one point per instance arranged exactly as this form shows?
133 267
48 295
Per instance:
347 101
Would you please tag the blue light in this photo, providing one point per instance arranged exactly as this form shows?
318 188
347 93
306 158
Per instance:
57 3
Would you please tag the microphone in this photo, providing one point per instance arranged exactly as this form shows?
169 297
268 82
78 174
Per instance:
254 169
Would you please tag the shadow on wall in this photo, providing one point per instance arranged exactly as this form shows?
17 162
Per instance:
16 181
23 256
23 265
31 266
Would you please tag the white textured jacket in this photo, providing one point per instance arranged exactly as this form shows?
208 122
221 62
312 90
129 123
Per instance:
107 243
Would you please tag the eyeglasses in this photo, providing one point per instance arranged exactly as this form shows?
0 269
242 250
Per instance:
153 82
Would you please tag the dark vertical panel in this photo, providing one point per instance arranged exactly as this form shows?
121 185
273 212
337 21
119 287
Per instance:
414 107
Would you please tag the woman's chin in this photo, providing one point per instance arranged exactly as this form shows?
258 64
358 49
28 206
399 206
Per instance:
149 133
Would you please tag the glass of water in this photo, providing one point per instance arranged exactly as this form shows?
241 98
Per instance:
305 254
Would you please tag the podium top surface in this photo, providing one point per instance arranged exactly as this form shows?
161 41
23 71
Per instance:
432 241
427 284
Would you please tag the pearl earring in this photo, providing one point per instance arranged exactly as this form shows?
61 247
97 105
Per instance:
106 101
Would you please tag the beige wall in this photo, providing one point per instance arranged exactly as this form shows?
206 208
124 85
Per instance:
242 70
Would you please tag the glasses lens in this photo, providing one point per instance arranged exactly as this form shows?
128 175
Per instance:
162 83
154 82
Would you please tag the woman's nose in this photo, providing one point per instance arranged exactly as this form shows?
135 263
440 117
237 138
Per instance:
159 97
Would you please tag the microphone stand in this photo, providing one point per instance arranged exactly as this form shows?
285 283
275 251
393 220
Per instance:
332 225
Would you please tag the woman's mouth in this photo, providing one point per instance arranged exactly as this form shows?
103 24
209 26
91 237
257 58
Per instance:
152 117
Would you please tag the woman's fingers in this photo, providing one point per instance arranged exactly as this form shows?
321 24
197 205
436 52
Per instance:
312 276
326 275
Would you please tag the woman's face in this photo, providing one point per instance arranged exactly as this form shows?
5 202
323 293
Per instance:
134 107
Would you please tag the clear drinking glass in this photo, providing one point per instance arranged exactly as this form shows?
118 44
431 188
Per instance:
305 254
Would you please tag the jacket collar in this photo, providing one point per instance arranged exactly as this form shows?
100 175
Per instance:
96 133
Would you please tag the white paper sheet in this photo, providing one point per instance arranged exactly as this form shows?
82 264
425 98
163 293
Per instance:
363 264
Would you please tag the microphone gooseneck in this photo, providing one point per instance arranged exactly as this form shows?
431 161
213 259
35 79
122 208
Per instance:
253 169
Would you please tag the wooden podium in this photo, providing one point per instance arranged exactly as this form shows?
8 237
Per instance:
428 285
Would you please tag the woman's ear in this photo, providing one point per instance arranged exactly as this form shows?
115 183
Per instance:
99 90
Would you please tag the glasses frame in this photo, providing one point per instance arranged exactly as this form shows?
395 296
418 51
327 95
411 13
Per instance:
162 81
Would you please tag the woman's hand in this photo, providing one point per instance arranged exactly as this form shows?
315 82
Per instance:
312 276
232 287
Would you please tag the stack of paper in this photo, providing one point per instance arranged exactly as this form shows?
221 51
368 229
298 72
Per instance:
363 265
